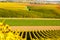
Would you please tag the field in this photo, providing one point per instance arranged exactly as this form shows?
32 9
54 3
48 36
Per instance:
21 10
35 29
12 6
38 32
31 21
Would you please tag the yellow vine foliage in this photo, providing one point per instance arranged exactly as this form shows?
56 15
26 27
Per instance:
7 34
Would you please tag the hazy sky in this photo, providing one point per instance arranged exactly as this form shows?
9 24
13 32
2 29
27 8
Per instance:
53 0
47 0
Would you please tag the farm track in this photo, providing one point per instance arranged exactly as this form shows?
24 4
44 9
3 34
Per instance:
33 18
34 28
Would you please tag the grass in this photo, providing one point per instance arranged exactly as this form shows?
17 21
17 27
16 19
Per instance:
26 22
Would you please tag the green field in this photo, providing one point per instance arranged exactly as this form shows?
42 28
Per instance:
26 22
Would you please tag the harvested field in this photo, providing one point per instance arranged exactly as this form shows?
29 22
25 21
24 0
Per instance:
35 28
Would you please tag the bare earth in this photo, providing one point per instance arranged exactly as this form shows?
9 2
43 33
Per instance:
34 28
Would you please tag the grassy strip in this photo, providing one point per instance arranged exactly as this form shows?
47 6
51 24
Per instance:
22 22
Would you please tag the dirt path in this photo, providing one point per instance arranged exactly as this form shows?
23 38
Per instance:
32 18
35 28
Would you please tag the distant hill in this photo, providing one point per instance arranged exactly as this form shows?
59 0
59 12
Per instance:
33 1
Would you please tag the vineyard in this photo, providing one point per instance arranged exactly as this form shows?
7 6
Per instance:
22 21
13 6
21 10
7 32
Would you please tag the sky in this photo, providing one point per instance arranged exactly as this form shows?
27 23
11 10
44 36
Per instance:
47 0
53 0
